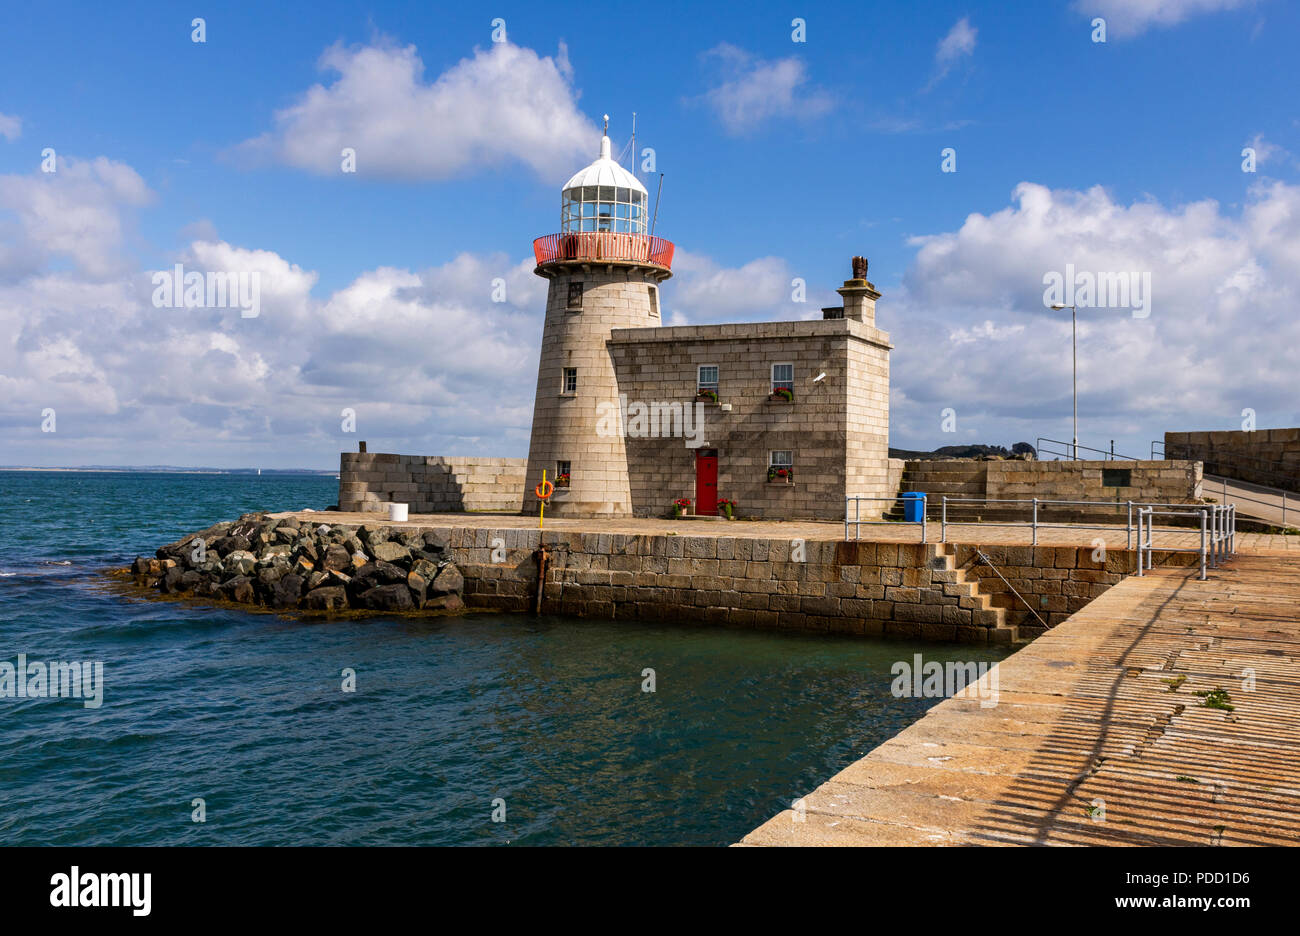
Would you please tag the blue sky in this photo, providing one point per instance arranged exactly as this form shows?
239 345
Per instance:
781 159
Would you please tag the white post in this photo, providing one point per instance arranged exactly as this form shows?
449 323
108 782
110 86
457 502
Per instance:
1202 544
1139 543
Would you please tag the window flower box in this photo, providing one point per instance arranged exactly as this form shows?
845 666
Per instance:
783 475
783 394
707 395
562 480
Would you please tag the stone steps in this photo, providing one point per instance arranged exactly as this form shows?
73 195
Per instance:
943 563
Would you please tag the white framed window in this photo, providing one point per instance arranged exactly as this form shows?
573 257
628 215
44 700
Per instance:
782 377
654 299
562 469
707 377
780 459
603 208
574 303
569 382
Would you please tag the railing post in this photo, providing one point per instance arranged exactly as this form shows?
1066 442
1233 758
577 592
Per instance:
1128 528
1214 534
923 521
1139 542
1202 544
1035 539
846 518
943 520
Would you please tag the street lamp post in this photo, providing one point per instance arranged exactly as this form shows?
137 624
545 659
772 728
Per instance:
1074 354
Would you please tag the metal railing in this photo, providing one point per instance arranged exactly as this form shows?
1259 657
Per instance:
1218 535
1211 460
857 521
1254 500
1069 447
1037 504
989 562
597 246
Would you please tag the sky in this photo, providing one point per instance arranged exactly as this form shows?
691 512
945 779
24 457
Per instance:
398 299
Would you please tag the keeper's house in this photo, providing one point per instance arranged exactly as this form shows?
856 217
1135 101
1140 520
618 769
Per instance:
781 418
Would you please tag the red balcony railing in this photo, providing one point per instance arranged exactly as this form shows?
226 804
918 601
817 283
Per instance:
602 246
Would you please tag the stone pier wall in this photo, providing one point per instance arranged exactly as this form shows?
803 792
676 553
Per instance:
1263 456
1148 481
932 591
369 481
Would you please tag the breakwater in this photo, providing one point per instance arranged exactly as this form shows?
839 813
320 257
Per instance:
973 592
287 563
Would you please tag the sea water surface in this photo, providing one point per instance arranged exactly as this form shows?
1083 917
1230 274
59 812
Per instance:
453 721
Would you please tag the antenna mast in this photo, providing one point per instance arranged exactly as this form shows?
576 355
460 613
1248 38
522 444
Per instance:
657 194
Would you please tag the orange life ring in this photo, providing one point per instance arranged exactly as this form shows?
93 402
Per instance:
546 486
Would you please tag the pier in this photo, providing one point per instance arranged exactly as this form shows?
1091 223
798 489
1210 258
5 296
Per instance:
1109 729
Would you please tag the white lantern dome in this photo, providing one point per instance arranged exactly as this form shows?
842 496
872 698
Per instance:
604 197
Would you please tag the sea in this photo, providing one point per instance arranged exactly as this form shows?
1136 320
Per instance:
227 727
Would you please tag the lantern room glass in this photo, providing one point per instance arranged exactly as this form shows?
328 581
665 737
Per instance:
603 208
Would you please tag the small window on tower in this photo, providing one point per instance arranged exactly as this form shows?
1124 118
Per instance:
562 473
654 300
570 381
575 297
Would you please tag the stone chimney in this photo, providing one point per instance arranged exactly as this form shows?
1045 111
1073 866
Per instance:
859 295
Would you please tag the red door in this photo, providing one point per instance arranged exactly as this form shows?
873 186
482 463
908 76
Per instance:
706 482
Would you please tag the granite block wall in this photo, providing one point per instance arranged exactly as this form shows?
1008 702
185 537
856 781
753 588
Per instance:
369 481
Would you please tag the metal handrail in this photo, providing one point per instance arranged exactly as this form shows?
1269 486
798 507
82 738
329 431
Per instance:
1110 455
857 520
1254 500
989 562
1290 474
1250 458
1037 502
1218 535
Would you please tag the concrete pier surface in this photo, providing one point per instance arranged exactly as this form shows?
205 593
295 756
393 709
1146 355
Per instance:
815 530
1099 736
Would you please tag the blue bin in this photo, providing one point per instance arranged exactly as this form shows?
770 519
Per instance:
913 506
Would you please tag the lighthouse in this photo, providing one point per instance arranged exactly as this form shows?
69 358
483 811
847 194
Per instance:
604 271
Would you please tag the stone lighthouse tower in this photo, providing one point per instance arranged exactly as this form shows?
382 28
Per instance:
604 271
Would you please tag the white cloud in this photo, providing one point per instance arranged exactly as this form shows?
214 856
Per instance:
1266 152
1128 18
506 104
11 128
73 214
958 44
703 292
971 330
427 359
755 90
